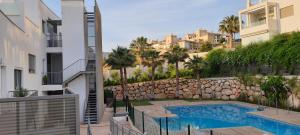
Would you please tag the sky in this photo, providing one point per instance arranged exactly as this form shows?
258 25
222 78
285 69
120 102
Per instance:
125 20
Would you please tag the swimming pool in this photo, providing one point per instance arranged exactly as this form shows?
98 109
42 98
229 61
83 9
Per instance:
225 116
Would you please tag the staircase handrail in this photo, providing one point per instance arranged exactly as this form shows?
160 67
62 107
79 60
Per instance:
73 63
76 67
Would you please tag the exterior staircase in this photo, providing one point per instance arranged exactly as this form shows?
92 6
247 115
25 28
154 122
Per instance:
91 112
91 109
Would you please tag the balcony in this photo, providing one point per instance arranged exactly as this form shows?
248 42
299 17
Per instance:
54 40
255 2
254 24
53 78
40 115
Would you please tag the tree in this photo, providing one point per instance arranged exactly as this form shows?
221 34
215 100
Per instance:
197 65
119 59
152 58
230 25
174 56
128 59
138 46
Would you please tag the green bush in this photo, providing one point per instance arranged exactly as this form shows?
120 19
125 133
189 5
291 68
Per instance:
137 74
275 89
277 56
21 92
108 82
242 97
171 71
186 73
115 76
206 47
160 74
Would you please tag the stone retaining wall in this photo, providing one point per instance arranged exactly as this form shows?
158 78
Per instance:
209 88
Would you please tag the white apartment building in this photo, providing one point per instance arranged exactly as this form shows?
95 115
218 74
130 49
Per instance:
43 52
262 19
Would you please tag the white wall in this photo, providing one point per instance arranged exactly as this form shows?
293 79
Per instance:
78 86
16 43
256 38
73 33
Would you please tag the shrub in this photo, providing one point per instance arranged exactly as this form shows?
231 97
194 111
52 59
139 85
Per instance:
21 92
171 71
115 76
275 89
206 47
160 73
109 82
242 97
278 56
186 73
137 73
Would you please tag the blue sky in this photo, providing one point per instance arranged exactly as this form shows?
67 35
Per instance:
124 20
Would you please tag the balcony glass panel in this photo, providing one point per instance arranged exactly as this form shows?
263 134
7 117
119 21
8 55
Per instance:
54 40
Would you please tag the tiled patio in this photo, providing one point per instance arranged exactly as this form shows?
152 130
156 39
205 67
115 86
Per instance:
102 128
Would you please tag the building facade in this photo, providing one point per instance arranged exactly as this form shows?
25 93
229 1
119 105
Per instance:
262 19
192 41
43 52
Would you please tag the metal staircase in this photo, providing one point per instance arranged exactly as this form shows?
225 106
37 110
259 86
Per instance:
91 112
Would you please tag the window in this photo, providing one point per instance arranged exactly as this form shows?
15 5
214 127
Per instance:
18 79
31 59
287 12
44 26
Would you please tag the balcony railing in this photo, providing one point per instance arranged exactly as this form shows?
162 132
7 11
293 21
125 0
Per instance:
255 2
40 115
53 78
254 24
54 40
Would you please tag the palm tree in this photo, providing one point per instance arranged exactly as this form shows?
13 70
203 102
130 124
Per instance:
129 60
230 25
138 46
196 64
119 59
152 59
174 56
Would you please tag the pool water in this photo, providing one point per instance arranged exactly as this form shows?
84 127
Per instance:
224 116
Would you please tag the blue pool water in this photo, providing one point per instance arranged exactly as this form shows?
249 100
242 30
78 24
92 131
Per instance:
224 116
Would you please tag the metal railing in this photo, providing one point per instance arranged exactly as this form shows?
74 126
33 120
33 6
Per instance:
74 68
42 115
53 78
122 129
23 93
89 131
54 40
164 125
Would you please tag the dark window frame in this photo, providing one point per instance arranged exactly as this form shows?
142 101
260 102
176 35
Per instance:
31 63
